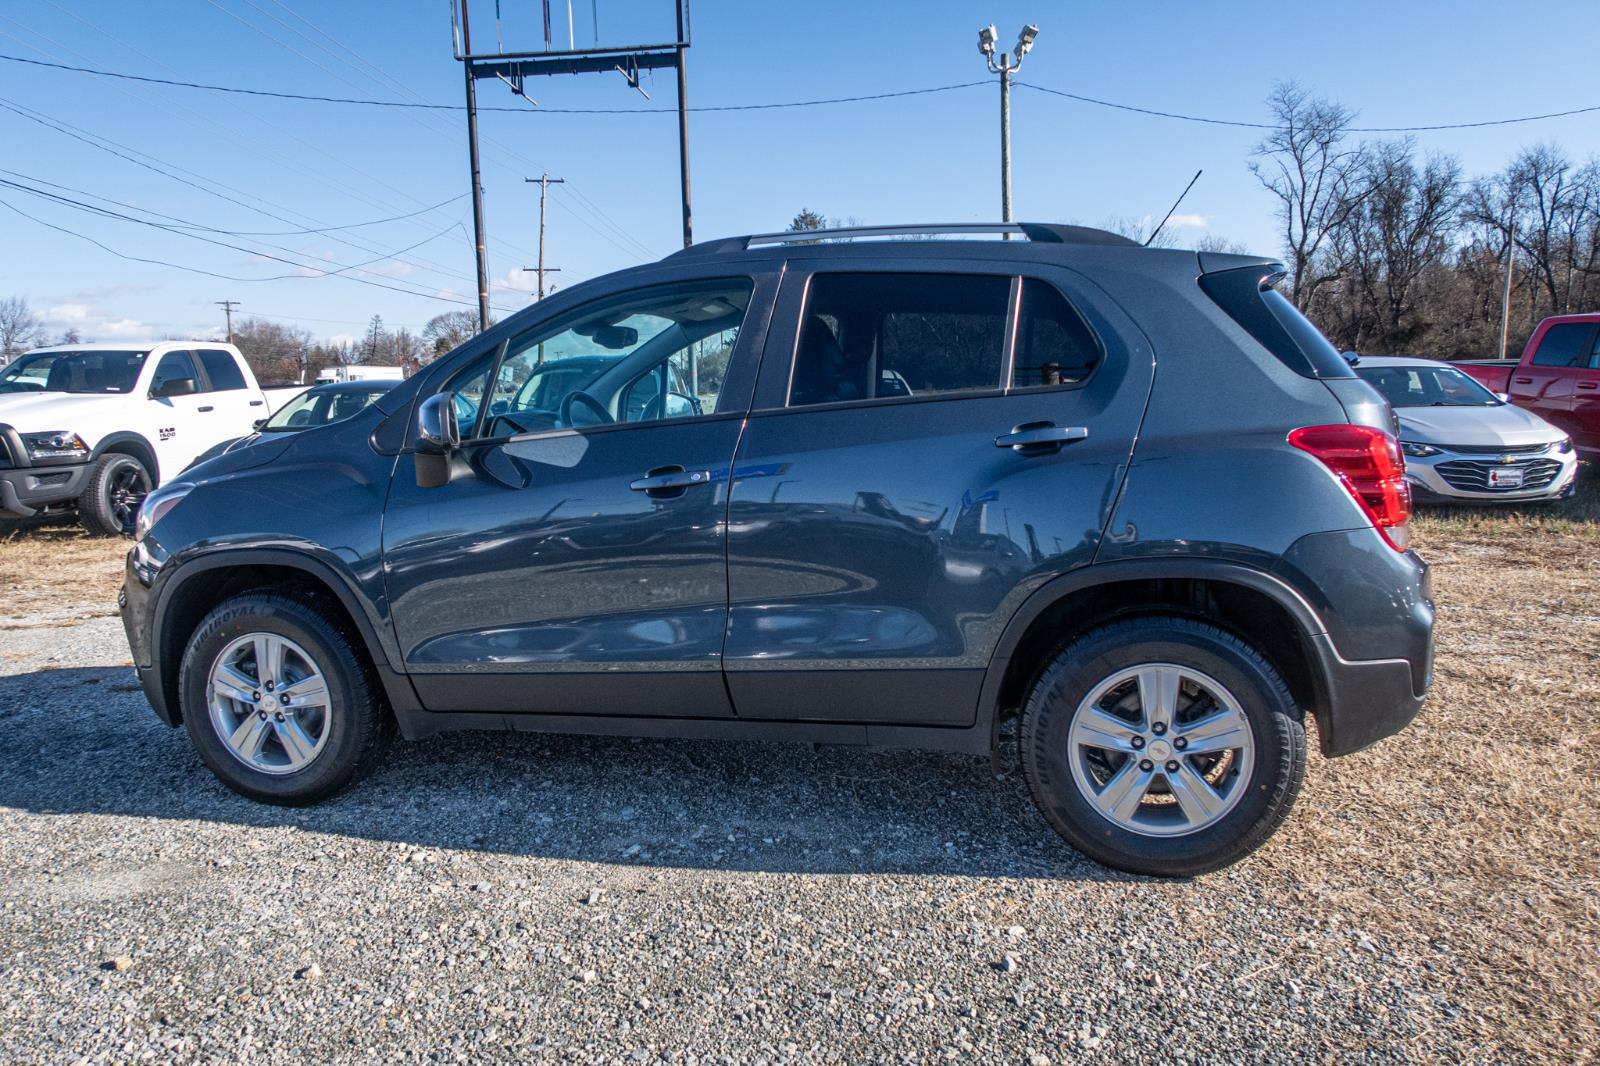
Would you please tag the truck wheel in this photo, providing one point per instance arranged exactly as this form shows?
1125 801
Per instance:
278 699
110 501
1162 746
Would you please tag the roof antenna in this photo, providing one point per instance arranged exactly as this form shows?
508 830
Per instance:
1174 207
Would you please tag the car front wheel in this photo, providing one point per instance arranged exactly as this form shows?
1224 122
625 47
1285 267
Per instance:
277 699
110 502
1162 746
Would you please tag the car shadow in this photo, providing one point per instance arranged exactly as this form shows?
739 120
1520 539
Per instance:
83 741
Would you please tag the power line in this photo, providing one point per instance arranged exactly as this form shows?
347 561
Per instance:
423 106
1272 126
103 212
1080 98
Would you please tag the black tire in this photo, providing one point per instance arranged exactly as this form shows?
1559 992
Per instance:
359 723
1081 666
111 498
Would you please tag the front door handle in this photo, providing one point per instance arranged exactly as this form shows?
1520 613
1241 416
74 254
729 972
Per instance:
1035 438
1588 385
668 481
203 410
1524 381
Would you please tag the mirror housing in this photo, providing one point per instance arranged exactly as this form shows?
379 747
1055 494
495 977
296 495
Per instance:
175 387
438 435
437 430
258 424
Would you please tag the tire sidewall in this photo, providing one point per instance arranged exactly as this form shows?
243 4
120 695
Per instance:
103 518
338 760
1274 722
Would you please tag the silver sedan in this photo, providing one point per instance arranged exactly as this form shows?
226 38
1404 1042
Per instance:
1463 443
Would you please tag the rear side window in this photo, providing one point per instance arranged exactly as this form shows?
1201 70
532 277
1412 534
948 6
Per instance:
882 336
222 370
1246 295
1054 344
1565 344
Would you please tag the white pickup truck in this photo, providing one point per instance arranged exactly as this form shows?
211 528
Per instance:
100 425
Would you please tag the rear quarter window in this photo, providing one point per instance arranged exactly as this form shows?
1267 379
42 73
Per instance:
222 370
1246 295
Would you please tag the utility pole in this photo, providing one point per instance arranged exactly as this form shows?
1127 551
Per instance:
227 308
1007 66
683 126
1505 300
477 177
544 181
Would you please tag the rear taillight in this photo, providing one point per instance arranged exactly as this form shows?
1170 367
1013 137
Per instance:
1368 461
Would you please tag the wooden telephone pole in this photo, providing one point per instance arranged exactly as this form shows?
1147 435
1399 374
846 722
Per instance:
544 181
227 307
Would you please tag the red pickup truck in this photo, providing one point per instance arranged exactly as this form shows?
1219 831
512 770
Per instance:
1557 378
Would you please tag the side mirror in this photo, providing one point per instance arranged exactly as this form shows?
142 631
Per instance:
438 435
257 424
437 430
175 387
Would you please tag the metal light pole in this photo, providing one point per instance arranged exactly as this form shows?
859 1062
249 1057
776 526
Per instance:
1006 65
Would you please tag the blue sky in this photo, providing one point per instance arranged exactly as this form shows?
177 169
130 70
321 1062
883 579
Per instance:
292 165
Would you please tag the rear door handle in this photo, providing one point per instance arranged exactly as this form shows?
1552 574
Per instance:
1588 385
670 481
1038 437
203 410
1524 381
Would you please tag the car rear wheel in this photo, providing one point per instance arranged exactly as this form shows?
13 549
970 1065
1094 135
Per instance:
277 699
1162 746
111 498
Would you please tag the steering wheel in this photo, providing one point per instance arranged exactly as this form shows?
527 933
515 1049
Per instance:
583 399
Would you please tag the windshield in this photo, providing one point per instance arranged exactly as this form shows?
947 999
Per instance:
322 407
1427 386
80 371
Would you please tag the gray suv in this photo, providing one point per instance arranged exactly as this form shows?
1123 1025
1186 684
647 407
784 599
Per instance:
839 487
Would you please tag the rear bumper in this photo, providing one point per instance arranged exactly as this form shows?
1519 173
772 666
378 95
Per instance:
1375 653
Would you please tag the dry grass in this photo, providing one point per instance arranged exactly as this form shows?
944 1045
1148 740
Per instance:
1471 842
54 572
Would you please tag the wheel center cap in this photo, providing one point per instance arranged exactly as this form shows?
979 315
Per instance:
269 700
1159 750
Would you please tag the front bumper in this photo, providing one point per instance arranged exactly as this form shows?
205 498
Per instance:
27 490
1462 477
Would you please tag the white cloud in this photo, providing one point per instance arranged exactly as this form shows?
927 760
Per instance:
67 313
1190 221
123 327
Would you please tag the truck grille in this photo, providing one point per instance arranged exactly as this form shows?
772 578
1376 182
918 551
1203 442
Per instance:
1472 475
1494 449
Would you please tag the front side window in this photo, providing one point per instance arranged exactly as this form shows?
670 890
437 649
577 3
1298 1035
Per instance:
648 356
1565 344
174 366
221 369
884 336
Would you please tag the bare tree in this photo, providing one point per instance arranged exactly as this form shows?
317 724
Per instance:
1317 179
20 328
450 330
276 353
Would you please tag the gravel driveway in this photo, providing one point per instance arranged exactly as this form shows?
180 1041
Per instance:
605 900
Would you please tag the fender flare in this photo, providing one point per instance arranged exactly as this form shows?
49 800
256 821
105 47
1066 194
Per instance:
145 453
382 650
1281 592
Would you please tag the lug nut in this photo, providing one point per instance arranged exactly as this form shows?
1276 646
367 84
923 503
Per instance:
269 686
280 718
1172 764
1137 742
1146 765
263 715
1159 728
256 696
1180 742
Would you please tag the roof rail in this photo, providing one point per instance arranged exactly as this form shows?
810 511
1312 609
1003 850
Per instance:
1034 232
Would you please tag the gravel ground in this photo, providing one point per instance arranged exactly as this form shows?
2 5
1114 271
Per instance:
604 900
